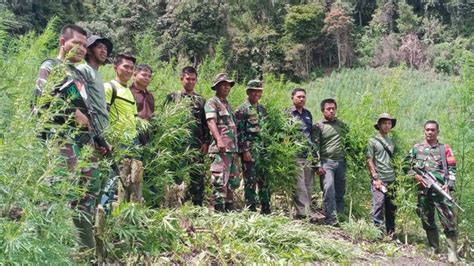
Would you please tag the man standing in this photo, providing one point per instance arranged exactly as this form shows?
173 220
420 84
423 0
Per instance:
249 122
122 106
123 124
379 161
224 147
304 182
329 136
72 48
144 99
199 131
437 159
98 50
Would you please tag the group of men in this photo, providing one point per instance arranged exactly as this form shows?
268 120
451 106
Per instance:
229 139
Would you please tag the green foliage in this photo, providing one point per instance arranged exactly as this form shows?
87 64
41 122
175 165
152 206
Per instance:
304 23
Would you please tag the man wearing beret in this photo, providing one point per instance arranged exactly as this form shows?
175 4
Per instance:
249 117
380 151
224 148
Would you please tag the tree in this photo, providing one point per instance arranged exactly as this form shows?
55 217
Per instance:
339 24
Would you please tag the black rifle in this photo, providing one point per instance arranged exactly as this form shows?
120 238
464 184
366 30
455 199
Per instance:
432 183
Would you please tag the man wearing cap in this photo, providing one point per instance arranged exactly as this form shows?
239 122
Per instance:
249 117
199 131
224 146
437 159
98 50
380 151
329 136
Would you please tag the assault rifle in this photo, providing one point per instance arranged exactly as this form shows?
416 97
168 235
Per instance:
432 183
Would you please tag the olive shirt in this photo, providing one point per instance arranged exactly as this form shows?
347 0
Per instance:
96 92
220 110
329 138
123 111
381 159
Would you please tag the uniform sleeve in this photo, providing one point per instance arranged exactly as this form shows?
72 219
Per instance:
409 161
211 110
241 116
41 80
370 148
316 140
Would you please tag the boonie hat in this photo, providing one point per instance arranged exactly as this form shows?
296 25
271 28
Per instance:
385 116
255 84
221 77
96 38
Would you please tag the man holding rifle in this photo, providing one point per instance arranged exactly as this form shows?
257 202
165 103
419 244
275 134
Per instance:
433 166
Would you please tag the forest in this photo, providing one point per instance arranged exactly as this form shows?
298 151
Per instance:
411 58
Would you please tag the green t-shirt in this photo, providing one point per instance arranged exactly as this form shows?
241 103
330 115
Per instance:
381 158
96 92
123 111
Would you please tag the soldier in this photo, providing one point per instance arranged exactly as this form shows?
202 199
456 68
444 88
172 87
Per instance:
72 49
305 178
224 148
379 161
199 131
249 121
329 136
437 159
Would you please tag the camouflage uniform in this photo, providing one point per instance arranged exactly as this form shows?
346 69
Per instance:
224 169
200 133
76 95
249 121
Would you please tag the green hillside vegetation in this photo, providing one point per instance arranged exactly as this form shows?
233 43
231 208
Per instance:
35 220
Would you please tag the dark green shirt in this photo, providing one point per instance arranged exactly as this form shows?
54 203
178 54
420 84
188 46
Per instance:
329 138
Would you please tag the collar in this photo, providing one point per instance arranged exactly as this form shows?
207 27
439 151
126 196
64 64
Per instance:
293 109
183 91
136 89
336 120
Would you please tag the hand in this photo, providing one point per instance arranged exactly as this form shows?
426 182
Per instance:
378 184
421 181
204 148
81 119
247 156
220 145
445 188
321 171
103 150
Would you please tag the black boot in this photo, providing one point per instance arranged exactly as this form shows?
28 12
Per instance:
219 208
252 207
197 202
265 208
229 206
433 239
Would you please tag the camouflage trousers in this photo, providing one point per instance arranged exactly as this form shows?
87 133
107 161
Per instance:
426 210
224 177
253 177
84 206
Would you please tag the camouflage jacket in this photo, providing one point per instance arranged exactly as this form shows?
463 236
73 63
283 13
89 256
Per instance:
200 131
221 111
249 122
425 156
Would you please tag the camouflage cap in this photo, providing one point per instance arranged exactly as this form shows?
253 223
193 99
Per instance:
91 40
255 84
221 77
385 116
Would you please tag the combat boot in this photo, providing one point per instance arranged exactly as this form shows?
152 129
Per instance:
265 208
452 248
252 207
229 206
433 239
219 207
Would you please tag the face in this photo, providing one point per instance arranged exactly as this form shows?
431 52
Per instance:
254 95
142 78
223 89
431 132
124 70
385 126
299 99
188 80
99 51
75 48
329 111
